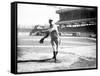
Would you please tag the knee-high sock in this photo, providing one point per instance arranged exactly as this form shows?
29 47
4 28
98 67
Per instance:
54 54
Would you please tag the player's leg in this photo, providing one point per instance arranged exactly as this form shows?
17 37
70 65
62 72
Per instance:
57 46
54 49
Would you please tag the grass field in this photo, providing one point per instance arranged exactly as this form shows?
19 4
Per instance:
74 53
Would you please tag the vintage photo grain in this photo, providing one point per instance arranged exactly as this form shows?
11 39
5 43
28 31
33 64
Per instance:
56 37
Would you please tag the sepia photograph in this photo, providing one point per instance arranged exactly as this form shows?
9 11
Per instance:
56 37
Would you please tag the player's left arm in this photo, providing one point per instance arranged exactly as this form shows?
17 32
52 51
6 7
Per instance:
58 34
57 31
46 35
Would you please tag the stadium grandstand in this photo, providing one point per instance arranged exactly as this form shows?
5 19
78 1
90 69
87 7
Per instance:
78 22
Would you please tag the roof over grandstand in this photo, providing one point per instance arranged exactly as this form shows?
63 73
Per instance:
77 15
72 9
91 20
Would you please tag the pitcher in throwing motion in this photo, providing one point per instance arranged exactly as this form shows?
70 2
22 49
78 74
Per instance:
54 34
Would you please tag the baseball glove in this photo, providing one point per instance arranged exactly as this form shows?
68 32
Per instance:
41 41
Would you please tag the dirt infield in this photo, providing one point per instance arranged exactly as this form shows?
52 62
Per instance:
74 53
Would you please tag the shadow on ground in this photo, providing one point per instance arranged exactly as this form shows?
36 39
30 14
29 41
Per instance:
42 60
